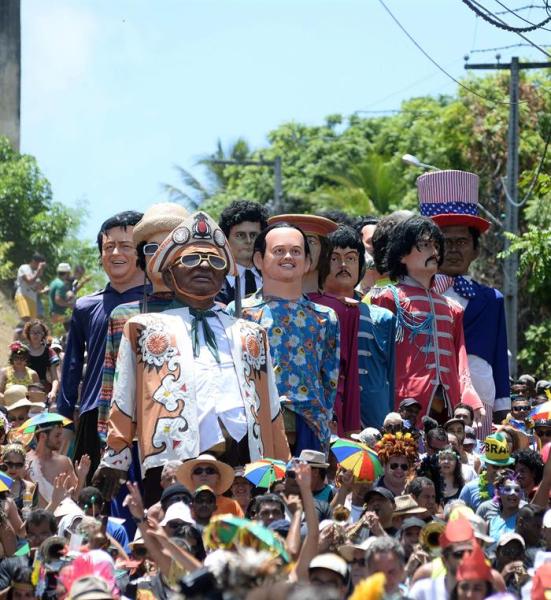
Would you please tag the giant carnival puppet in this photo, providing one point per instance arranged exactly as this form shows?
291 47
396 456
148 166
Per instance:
431 358
191 379
450 199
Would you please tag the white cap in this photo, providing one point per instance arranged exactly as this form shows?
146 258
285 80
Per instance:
178 511
330 562
547 519
63 268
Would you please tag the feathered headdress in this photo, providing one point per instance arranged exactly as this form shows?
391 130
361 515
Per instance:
95 563
397 444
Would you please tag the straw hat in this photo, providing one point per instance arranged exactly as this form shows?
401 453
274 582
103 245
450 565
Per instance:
308 223
22 403
406 505
13 394
165 216
183 474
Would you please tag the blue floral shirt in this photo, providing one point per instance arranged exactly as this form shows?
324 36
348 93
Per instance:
305 346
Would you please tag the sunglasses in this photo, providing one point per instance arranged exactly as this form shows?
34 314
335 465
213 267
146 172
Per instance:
12 465
543 432
394 466
521 408
195 259
205 470
150 249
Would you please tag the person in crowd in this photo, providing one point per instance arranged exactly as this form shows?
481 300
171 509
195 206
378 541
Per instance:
197 339
203 506
465 413
496 455
423 491
431 347
329 570
304 336
449 468
376 328
268 508
436 439
206 470
542 431
60 294
386 555
529 470
242 221
89 327
42 358
525 386
398 454
509 494
530 520
474 577
241 489
46 464
18 371
22 491
450 199
27 285
365 226
17 405
409 410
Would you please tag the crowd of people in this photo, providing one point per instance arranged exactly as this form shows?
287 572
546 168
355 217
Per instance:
287 406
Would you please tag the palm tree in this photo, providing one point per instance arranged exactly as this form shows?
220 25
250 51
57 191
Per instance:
194 191
367 187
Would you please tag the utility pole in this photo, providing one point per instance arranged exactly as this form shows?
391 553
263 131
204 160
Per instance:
10 70
275 164
510 265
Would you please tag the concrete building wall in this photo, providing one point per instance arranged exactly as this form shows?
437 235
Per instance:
10 70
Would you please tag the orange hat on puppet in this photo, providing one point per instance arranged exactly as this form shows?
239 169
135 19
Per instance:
473 566
456 532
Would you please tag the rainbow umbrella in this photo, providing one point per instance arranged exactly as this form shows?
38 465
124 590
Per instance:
358 458
229 531
5 482
541 412
46 418
262 473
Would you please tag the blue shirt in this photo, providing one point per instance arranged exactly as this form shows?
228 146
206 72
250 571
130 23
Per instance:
88 334
118 533
470 494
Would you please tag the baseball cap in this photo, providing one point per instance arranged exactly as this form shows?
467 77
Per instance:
510 537
203 488
470 436
412 522
330 562
177 489
63 268
409 402
381 491
547 519
179 511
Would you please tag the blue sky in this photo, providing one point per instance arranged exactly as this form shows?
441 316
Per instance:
114 93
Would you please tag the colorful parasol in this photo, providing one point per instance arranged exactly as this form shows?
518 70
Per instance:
358 458
541 411
5 482
228 531
262 473
45 418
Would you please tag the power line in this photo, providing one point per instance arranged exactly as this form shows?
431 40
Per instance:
475 51
501 23
467 88
491 18
515 10
508 10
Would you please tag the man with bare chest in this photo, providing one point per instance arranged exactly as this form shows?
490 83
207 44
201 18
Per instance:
45 463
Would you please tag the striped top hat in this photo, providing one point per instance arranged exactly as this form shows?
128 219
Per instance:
451 198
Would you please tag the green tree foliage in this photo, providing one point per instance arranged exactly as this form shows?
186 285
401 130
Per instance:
355 164
30 221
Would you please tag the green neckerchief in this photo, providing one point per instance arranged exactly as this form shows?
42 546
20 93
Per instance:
200 316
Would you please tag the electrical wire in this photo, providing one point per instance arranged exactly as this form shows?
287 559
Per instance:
515 10
427 55
509 10
475 51
490 17
484 12
534 178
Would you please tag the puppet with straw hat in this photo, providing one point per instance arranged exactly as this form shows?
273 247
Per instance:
191 379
